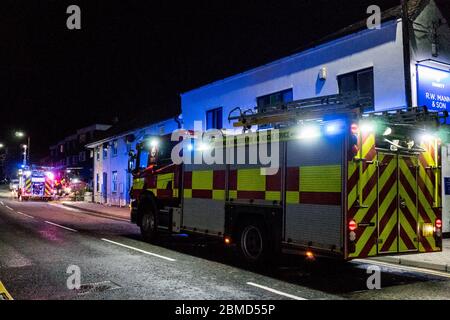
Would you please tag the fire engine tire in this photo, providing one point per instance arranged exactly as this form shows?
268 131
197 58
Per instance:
253 242
149 223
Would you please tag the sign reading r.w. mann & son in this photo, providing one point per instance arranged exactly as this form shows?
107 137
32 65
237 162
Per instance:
433 88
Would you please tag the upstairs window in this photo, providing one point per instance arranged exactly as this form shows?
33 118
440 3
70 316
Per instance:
359 83
115 147
214 119
275 98
105 151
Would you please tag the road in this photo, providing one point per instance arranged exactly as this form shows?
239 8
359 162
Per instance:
40 241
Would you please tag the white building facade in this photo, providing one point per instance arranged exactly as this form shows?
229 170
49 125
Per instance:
399 65
112 180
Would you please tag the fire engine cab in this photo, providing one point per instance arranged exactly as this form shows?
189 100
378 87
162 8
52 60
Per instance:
348 184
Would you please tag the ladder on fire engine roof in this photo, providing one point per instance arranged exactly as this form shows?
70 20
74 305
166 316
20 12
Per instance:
291 113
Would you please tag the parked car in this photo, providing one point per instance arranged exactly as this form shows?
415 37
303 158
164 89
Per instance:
14 185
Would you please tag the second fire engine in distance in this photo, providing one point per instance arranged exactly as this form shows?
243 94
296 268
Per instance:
36 184
347 187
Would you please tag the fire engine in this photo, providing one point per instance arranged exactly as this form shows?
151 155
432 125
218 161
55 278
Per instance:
350 184
36 183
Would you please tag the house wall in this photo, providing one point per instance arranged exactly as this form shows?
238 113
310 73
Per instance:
380 49
421 51
119 163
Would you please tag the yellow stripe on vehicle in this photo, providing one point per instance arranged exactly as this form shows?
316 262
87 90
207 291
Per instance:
202 180
4 294
320 178
251 180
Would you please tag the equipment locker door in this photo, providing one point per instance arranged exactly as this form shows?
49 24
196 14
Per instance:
408 213
397 203
387 203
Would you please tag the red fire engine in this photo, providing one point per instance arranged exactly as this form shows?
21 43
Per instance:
349 185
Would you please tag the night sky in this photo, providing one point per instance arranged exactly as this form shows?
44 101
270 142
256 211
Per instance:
134 58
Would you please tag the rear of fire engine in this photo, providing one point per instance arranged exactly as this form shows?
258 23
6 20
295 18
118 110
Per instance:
349 185
36 184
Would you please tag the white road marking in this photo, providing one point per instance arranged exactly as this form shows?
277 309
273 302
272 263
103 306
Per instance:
60 226
276 291
9 208
24 214
1 202
139 250
405 268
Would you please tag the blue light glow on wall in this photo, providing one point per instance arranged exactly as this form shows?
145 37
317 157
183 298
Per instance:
433 88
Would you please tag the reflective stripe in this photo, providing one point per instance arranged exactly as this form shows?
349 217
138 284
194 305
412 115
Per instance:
202 180
251 180
138 184
320 178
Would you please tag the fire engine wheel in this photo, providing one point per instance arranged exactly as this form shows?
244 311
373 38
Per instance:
253 243
149 225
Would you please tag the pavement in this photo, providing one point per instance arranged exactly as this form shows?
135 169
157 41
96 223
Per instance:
110 211
46 247
439 261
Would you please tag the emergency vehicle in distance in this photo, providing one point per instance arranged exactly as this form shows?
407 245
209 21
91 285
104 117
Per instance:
36 183
350 184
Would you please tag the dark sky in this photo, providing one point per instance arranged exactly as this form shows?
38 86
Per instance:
133 58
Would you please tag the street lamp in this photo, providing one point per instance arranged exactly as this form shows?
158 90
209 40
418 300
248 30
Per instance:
2 145
26 155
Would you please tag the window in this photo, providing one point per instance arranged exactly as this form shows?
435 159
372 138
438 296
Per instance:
75 160
61 148
114 181
359 83
97 182
275 98
105 151
115 147
97 152
214 119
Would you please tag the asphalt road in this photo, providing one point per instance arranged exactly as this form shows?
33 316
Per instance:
40 241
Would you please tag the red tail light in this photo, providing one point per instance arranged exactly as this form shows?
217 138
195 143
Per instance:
438 223
352 225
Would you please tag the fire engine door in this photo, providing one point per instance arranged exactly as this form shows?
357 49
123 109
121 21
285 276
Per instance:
397 203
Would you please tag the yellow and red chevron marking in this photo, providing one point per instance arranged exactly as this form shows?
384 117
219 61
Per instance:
388 200
28 185
429 194
408 213
48 187
362 197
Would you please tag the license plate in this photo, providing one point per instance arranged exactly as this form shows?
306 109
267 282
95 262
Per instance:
427 230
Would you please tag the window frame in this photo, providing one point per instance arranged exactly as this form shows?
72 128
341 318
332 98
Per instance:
355 75
217 120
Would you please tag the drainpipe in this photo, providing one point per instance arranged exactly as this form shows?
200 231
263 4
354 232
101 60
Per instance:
407 52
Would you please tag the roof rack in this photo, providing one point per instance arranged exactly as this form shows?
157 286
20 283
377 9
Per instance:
310 109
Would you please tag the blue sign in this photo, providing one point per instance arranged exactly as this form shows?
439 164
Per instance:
433 88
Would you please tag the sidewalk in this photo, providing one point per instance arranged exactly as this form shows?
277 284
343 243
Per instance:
439 261
110 211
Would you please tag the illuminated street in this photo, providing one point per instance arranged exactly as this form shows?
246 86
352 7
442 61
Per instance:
36 254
